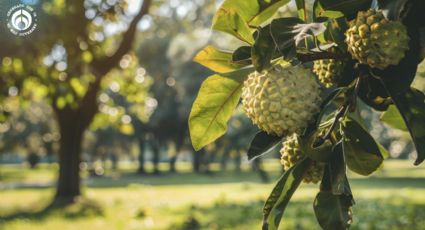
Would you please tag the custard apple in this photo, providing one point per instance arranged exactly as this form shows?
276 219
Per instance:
376 41
291 154
328 71
281 100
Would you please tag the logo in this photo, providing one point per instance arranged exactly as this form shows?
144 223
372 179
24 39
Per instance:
21 20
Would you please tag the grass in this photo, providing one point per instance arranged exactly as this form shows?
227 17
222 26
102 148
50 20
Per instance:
392 199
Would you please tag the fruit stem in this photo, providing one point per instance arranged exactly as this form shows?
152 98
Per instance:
340 114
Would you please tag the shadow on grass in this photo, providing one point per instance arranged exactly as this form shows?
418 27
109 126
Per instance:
82 207
377 214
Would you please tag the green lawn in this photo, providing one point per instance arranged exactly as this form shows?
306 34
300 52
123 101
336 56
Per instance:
393 198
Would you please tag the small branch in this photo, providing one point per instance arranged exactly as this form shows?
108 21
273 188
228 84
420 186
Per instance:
333 139
103 66
349 105
320 56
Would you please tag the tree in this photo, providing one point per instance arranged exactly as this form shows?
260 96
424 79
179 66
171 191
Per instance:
125 106
68 57
30 129
173 88
364 53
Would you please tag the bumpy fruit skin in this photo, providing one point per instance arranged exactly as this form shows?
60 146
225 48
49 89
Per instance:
328 71
375 41
281 100
291 154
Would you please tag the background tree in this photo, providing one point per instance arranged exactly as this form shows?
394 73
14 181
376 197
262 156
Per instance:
28 128
174 87
69 59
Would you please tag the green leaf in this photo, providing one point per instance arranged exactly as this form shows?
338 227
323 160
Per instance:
330 96
335 32
281 31
361 152
333 211
348 7
372 92
411 13
356 116
348 75
398 78
288 183
267 10
242 55
384 151
229 21
254 12
217 60
263 143
212 109
272 199
393 118
393 8
288 33
319 12
335 177
302 10
263 49
332 205
329 99
321 154
412 107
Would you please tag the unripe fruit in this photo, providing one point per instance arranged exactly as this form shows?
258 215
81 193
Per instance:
328 71
291 154
281 100
375 41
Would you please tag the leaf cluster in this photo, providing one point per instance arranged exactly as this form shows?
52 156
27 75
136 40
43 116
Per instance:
338 138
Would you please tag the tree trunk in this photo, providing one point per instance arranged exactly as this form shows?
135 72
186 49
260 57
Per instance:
49 152
156 150
258 167
238 161
172 163
141 157
179 141
224 159
68 185
197 160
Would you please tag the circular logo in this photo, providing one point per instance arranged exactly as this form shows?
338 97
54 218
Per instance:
21 20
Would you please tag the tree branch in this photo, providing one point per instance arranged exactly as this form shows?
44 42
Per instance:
320 56
103 66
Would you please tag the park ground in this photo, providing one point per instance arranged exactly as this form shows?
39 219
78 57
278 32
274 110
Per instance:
394 198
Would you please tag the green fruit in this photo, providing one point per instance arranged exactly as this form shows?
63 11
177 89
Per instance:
376 41
328 71
291 154
282 100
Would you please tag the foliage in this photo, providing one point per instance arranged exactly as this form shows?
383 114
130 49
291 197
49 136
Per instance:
124 97
66 62
300 40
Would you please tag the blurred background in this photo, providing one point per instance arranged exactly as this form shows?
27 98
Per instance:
93 129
